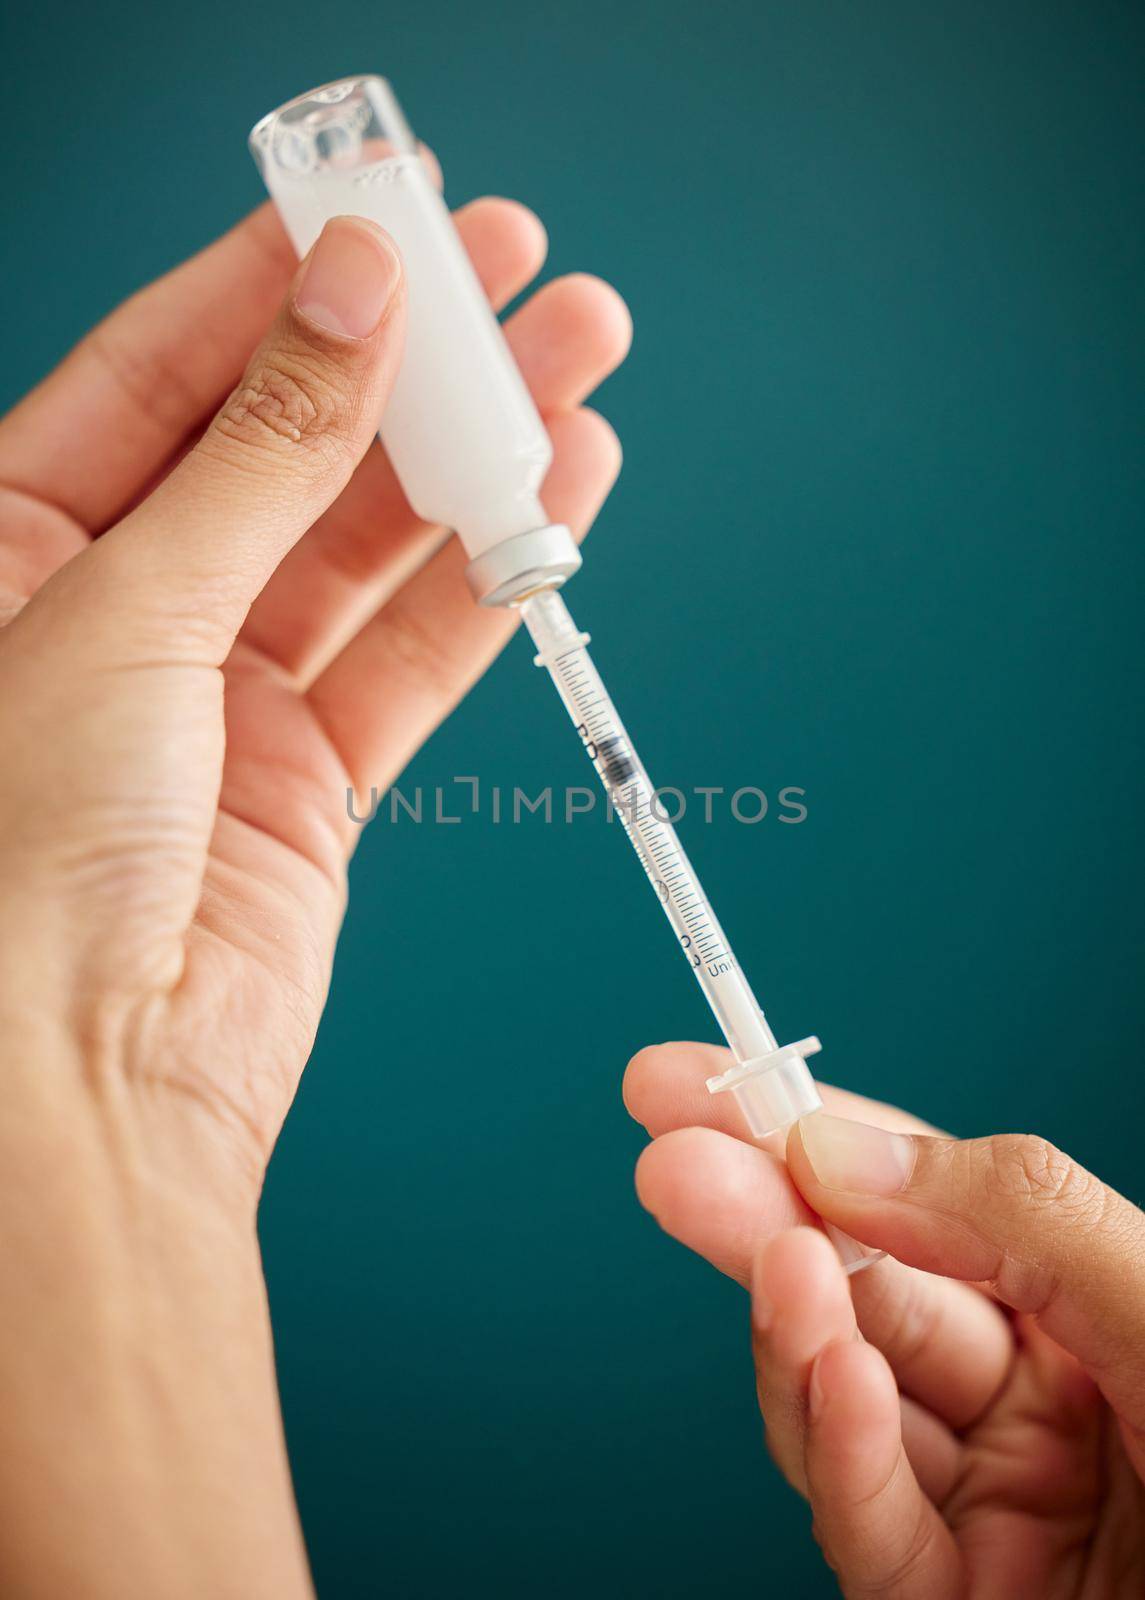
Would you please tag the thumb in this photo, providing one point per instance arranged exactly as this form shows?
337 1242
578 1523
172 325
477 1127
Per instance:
1013 1211
280 450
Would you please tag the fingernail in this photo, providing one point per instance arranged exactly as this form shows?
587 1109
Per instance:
350 278
854 1156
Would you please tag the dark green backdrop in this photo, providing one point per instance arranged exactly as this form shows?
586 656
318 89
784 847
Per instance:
885 264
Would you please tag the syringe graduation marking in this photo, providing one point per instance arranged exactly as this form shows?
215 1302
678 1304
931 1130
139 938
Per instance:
562 650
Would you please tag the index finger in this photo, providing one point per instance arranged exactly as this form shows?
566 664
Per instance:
665 1087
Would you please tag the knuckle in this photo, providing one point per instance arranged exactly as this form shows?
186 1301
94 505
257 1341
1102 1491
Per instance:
1032 1171
1054 1197
289 402
421 654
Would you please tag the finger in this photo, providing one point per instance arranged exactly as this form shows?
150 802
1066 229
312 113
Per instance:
721 1197
177 576
799 1303
569 336
665 1086
801 1306
507 245
949 1346
877 1529
103 423
428 645
391 689
1013 1211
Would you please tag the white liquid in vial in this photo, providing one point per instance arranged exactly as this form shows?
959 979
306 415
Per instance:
479 467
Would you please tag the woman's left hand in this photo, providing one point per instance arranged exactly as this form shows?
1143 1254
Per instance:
219 613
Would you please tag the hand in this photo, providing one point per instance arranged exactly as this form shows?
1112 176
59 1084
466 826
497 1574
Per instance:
174 854
965 1419
220 613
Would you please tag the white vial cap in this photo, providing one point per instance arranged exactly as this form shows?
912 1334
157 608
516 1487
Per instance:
773 1090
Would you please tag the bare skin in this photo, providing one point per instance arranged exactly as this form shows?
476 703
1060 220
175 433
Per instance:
219 612
966 1419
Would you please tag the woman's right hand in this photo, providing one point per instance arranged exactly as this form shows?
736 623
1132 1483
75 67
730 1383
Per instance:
966 1418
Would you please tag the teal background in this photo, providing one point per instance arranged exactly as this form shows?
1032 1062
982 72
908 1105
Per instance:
878 535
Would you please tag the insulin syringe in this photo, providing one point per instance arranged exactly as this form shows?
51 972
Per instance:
771 1083
471 453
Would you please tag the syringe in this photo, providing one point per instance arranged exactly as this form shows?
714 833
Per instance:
772 1085
471 452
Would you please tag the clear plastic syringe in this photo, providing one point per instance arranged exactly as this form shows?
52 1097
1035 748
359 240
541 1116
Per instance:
471 453
772 1085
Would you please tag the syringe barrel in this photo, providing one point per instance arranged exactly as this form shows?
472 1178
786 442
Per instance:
460 428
